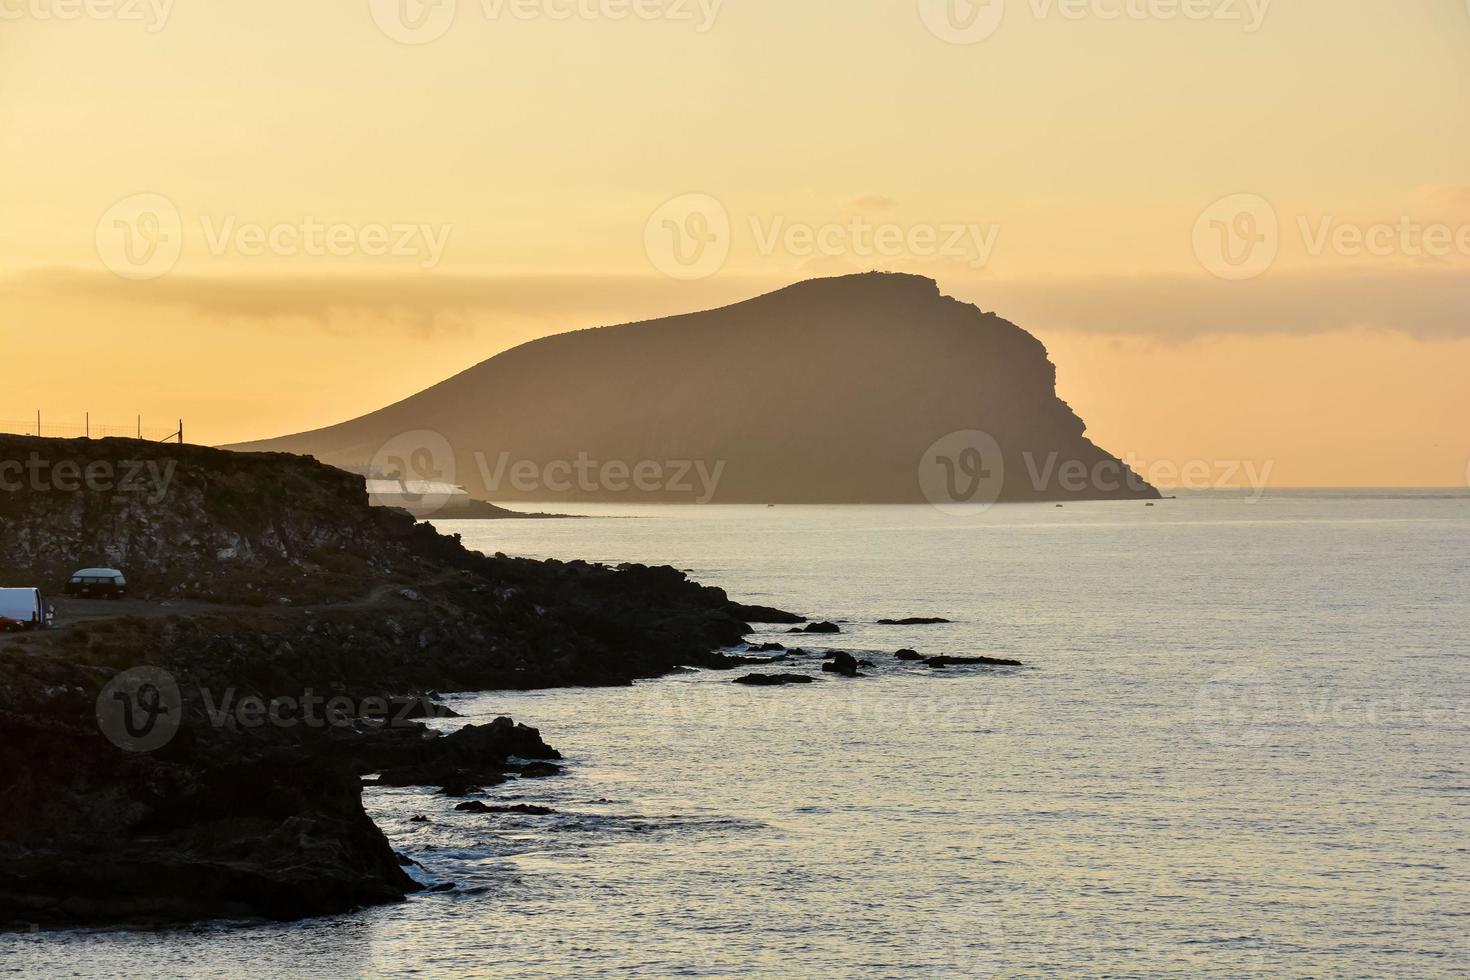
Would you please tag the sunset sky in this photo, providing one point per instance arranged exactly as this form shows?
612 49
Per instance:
477 180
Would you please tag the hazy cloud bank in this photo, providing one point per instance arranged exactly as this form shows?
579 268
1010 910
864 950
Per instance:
1423 302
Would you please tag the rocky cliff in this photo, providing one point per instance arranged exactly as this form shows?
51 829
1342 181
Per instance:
188 520
853 389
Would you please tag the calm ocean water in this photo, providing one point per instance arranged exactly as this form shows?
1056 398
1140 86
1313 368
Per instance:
1240 746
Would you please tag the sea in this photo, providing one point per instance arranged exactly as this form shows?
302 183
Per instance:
1239 745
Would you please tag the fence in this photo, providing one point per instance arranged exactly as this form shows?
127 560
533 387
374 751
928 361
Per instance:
87 429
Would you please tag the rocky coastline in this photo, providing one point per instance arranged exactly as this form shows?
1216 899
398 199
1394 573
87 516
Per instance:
281 645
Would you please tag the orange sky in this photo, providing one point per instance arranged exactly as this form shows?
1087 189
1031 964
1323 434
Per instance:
273 216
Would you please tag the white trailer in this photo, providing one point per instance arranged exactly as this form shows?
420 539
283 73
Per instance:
22 609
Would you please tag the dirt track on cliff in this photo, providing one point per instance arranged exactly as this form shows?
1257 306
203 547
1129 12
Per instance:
73 612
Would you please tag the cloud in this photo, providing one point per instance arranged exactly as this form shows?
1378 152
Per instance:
1440 202
1425 302
871 203
421 305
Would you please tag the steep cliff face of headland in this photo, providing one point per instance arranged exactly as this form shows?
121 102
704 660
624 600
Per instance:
833 390
269 577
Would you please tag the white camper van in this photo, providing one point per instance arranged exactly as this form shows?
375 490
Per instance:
23 609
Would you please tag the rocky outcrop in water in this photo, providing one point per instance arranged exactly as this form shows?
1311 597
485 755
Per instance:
913 621
939 663
817 628
773 680
842 663
528 809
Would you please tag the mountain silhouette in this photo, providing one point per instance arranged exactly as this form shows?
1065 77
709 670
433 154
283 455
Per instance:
871 388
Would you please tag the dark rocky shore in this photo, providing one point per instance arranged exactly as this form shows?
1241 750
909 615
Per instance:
296 634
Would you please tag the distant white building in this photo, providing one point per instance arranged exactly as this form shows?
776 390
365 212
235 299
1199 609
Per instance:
418 496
